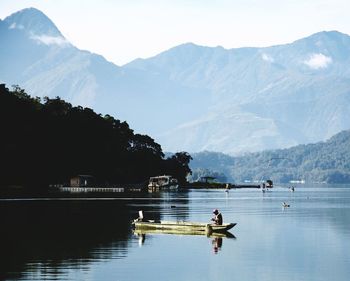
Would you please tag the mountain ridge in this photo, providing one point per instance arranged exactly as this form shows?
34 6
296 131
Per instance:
34 21
326 162
230 100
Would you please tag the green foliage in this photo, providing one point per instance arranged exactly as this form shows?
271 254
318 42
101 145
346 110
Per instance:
199 173
51 141
327 162
179 165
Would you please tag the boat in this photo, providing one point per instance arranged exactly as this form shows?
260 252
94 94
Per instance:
162 182
181 226
269 184
141 231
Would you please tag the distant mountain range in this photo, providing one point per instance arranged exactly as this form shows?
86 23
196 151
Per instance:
191 97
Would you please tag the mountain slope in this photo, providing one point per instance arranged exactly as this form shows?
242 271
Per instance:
38 58
272 97
192 97
319 162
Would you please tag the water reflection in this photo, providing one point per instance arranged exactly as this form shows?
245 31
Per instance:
217 244
49 238
40 238
142 238
93 239
216 237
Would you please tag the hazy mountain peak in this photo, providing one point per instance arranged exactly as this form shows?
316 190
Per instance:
33 22
330 35
228 100
36 26
188 45
331 43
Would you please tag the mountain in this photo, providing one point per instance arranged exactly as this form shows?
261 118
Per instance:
36 56
327 162
191 97
262 98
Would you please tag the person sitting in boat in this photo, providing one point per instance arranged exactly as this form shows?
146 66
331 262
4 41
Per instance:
217 217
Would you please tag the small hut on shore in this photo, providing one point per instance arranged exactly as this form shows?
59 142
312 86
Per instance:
82 181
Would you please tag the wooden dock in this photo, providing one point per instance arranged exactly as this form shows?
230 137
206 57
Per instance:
245 186
101 189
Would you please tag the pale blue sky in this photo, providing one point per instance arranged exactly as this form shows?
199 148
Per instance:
124 30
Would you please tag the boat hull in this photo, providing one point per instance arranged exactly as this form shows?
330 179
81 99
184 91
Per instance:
221 234
189 227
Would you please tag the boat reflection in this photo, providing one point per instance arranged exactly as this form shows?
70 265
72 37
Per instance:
217 244
217 237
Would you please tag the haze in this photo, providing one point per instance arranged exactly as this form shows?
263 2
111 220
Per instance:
122 31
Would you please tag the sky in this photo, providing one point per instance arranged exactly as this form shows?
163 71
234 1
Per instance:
123 30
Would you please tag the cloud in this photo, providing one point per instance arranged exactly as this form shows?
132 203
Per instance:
267 57
50 40
14 26
318 61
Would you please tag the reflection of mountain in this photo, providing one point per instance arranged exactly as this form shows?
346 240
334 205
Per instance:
192 97
56 235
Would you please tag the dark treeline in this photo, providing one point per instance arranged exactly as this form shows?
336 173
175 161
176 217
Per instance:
327 162
198 174
49 141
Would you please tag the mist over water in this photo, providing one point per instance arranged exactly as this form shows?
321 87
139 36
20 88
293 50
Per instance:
92 239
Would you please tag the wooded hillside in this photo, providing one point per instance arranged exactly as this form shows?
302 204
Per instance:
320 162
49 141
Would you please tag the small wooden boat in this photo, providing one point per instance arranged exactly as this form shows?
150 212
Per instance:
182 226
222 234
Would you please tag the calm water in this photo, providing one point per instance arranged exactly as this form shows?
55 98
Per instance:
93 240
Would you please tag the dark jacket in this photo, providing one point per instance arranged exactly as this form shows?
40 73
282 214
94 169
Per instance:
218 219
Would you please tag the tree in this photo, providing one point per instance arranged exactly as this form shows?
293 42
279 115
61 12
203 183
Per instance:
49 142
178 166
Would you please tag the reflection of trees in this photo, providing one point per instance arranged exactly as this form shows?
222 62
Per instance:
58 234
53 236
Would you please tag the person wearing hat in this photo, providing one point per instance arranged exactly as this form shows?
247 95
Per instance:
217 217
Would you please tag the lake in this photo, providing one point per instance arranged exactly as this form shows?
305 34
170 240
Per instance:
92 239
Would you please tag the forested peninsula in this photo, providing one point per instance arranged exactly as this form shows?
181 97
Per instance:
48 141
322 162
